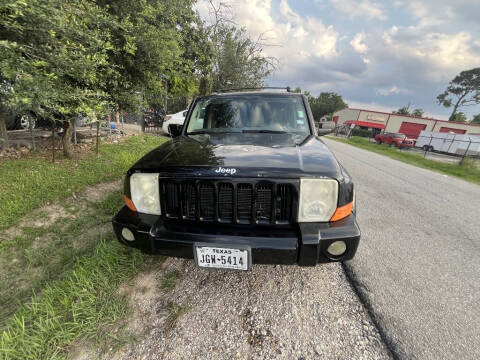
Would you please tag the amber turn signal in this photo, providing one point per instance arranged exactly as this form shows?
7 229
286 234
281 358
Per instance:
342 212
130 203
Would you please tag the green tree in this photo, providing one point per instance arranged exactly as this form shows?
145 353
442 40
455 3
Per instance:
418 112
476 119
238 60
404 110
326 103
463 90
459 117
53 53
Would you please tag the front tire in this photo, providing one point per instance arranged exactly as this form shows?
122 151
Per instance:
379 142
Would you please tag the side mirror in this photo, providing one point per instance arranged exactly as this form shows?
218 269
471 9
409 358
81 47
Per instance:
175 129
185 113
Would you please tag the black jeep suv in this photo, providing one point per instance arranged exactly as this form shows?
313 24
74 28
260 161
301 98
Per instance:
245 180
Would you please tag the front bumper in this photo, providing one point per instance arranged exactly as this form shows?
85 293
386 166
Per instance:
304 244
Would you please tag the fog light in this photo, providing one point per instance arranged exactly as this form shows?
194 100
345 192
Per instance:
337 248
127 234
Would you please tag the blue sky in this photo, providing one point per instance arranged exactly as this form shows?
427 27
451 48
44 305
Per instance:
377 54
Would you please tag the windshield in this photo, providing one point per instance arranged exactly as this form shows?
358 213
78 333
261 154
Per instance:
399 136
254 113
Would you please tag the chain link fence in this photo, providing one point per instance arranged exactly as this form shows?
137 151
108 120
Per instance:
452 145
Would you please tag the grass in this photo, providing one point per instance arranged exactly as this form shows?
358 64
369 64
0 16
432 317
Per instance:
63 283
170 280
26 184
77 306
174 313
40 255
468 170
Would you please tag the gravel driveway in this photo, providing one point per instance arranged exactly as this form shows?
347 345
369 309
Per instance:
270 312
418 264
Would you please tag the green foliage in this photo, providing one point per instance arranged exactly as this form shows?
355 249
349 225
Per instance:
326 103
476 119
405 110
54 55
459 117
402 111
238 61
418 112
463 90
26 184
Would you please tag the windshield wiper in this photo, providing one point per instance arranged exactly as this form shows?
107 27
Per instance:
265 131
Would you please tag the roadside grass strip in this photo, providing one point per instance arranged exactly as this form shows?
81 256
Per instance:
66 288
26 184
82 305
468 170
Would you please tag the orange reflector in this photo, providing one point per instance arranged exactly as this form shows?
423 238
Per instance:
342 212
129 203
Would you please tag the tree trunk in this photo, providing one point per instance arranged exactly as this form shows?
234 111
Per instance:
67 139
3 130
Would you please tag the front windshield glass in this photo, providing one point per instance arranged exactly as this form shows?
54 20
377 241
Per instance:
400 136
254 113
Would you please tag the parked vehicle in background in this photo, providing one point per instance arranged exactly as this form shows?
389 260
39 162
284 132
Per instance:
395 139
451 143
177 118
18 121
153 118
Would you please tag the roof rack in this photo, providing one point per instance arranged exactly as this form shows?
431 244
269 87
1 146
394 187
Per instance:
287 88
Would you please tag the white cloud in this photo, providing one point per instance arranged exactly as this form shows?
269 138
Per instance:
391 90
299 41
360 8
358 44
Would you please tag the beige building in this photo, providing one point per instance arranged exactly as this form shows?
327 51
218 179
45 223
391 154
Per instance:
408 125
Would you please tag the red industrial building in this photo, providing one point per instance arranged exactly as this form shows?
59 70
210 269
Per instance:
396 123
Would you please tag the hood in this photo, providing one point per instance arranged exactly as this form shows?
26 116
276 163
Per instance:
242 155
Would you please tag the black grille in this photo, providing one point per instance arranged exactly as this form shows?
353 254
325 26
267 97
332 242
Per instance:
284 203
225 202
244 202
189 200
207 202
261 202
171 199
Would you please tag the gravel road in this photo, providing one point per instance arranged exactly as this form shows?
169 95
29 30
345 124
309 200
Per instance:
418 264
270 312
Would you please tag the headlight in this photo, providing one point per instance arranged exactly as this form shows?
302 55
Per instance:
145 193
318 200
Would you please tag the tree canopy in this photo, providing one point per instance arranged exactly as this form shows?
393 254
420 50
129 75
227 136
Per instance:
405 110
61 58
325 103
476 119
463 90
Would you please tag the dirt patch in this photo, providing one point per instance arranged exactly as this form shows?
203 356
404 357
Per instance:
48 214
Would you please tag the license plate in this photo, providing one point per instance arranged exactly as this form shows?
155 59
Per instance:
222 258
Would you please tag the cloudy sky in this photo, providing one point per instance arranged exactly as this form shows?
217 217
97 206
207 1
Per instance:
377 54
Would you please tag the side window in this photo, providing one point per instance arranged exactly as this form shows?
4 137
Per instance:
197 118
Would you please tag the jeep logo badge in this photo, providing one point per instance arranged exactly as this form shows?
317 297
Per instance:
222 170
